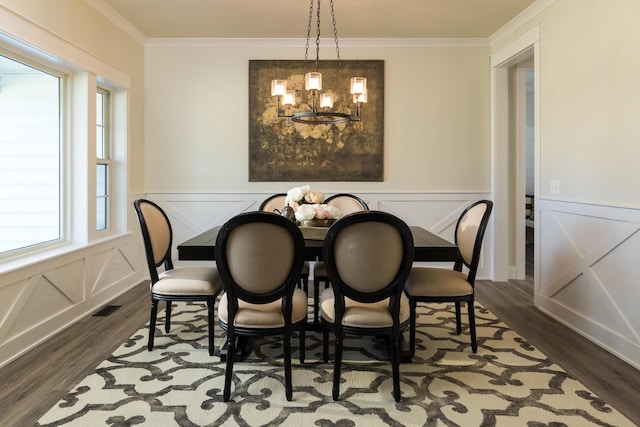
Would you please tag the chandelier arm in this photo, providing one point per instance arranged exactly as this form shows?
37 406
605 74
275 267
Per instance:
281 114
315 117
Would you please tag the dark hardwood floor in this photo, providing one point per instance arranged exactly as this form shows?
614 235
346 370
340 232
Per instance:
36 381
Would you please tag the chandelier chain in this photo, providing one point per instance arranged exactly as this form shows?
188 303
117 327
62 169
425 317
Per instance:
318 36
335 32
306 48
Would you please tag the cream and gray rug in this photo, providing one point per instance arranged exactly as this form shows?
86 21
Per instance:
507 383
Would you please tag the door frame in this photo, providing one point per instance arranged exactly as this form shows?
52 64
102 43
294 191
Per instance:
523 47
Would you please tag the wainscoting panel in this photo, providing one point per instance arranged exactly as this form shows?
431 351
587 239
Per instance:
587 273
43 298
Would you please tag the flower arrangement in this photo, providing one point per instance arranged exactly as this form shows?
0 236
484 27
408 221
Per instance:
301 195
307 204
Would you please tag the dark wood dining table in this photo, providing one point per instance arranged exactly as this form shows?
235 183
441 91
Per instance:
428 247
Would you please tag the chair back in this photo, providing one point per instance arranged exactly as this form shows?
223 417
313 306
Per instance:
156 234
469 235
259 257
271 203
368 256
347 203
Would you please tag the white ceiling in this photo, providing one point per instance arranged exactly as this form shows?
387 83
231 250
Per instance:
289 18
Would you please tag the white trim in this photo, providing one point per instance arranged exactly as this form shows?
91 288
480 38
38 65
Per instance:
325 42
512 50
520 160
23 34
522 18
500 63
118 20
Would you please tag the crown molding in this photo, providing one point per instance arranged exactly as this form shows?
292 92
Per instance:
522 18
328 42
118 20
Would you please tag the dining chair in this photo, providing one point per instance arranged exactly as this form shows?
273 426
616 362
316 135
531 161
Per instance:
346 203
429 284
273 202
368 256
276 202
172 284
259 256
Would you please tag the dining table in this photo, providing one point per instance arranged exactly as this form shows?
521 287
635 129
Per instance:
429 247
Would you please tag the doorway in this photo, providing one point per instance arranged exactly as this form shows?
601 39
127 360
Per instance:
522 145
512 66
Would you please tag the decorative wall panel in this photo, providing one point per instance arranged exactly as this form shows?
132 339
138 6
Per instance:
38 300
587 275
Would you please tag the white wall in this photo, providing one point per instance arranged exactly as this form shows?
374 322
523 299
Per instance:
436 116
586 236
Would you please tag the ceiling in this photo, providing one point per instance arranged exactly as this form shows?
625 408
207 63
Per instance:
289 18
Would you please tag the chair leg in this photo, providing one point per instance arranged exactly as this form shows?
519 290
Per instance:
167 322
302 349
231 351
337 366
210 305
316 298
458 319
325 344
412 325
152 322
288 386
304 280
395 366
472 326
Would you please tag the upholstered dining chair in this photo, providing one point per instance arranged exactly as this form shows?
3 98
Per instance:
368 256
273 202
276 202
172 284
259 256
347 203
428 284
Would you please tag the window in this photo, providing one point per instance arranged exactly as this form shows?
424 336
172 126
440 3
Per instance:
103 146
30 141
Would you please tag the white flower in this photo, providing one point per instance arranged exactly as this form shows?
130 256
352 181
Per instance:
304 194
307 204
314 196
306 212
334 212
296 194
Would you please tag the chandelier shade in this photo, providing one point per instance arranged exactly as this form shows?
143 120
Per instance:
321 103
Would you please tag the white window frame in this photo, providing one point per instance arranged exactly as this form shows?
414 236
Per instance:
105 159
82 73
44 67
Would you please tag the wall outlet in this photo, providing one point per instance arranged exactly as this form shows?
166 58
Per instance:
554 187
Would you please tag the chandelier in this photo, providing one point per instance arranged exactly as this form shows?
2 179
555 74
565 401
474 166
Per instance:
320 103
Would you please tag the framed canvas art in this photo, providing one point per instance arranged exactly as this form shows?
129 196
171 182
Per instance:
281 150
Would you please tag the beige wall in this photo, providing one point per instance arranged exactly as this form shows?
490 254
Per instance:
44 292
437 135
589 233
589 100
78 24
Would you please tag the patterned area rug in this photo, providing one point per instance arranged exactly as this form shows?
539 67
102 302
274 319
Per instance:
507 383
